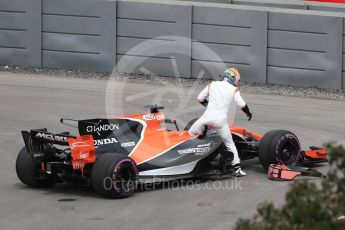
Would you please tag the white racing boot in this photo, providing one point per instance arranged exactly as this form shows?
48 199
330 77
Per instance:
238 171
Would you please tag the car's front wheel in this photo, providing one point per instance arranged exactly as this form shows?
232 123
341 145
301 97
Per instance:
279 146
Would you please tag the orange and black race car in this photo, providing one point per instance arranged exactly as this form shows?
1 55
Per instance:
114 154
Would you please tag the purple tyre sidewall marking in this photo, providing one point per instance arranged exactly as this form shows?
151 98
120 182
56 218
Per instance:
281 140
116 168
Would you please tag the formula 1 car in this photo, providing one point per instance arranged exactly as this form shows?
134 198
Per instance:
114 154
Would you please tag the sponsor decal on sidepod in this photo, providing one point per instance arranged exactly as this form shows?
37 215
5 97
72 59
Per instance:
106 141
128 144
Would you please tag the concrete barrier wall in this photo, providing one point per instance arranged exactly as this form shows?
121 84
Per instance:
288 4
20 32
238 37
154 27
78 34
272 3
176 38
304 50
323 6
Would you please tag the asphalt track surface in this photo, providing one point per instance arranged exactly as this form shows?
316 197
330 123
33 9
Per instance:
29 101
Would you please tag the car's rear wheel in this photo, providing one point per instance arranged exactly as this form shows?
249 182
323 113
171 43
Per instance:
114 176
279 146
27 171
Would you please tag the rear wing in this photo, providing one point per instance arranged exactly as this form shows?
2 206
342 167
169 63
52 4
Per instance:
81 148
35 138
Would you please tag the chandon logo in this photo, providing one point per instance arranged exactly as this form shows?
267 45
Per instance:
105 141
102 128
51 137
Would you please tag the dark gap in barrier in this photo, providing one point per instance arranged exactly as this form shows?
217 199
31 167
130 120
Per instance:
68 51
289 67
69 33
70 15
145 38
14 30
12 47
296 31
222 43
13 11
144 56
234 63
299 50
229 26
147 20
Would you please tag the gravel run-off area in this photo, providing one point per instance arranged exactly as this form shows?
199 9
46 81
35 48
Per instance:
255 88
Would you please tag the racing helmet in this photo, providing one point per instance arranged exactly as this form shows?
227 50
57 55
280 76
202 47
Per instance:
232 76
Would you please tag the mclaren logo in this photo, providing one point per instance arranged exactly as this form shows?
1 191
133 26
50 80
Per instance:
51 137
105 141
196 151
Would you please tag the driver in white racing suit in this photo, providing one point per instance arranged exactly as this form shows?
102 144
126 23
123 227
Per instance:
217 97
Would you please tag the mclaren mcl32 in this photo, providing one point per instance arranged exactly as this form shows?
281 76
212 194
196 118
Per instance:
114 154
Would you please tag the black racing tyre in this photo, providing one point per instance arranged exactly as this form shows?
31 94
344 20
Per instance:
27 173
114 176
279 146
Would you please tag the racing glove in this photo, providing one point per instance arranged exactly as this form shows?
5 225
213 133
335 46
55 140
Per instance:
245 109
204 103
